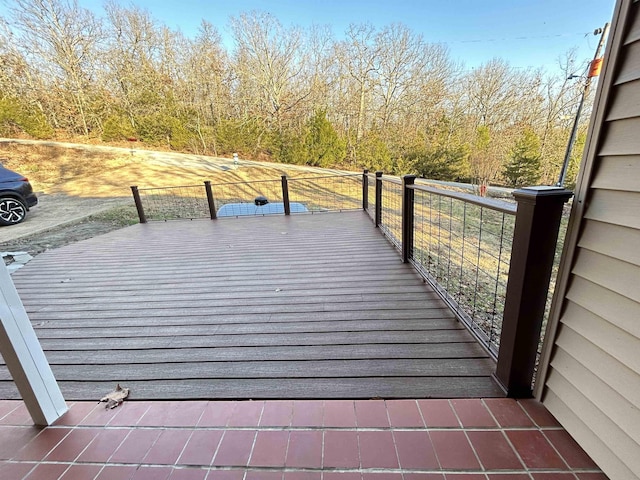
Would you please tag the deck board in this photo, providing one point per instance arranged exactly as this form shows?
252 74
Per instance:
308 306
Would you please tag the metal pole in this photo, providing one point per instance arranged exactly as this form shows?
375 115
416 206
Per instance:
365 189
210 200
285 195
576 121
138 202
407 217
378 198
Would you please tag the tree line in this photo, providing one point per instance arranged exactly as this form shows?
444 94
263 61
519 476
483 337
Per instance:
378 98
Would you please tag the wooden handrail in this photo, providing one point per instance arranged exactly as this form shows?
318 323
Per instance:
492 203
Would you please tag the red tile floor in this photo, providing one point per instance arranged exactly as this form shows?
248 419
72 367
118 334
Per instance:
491 439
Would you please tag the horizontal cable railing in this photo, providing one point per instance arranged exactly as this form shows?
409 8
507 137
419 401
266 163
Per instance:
327 193
462 247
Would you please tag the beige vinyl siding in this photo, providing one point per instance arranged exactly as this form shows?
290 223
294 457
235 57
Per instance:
611 240
591 435
606 368
592 373
618 310
625 103
617 173
619 208
622 137
633 31
630 65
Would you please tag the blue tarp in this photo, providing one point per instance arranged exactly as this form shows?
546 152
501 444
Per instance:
240 209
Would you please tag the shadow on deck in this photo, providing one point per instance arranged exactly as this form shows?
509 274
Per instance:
309 306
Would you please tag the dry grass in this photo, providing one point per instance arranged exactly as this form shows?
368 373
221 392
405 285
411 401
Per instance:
99 173
49 167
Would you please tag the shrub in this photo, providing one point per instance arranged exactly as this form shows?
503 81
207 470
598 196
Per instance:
117 128
15 116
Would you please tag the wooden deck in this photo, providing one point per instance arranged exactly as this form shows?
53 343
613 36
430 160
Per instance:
308 306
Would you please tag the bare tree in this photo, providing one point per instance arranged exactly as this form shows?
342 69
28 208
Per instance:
131 58
388 92
494 92
206 83
403 59
561 92
61 40
358 63
268 62
16 76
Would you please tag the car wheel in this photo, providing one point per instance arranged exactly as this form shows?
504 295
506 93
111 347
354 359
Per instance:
12 211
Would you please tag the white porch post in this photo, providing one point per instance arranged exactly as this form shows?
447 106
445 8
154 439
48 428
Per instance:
24 357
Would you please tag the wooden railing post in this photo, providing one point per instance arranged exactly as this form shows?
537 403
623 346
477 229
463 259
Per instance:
534 242
378 199
138 202
407 216
285 195
210 201
365 189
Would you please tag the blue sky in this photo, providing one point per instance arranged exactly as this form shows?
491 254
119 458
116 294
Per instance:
531 33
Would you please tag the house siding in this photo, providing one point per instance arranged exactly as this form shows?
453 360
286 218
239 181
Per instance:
591 371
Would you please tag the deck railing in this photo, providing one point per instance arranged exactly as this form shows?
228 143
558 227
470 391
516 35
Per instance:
324 193
391 211
171 203
327 193
369 199
460 244
490 260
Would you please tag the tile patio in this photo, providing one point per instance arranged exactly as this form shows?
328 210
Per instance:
484 439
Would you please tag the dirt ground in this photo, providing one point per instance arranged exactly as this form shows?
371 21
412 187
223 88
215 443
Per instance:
60 220
55 211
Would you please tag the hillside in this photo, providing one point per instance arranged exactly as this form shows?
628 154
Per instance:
103 171
84 190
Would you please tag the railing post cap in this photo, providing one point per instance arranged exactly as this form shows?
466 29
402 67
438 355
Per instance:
379 173
409 178
531 194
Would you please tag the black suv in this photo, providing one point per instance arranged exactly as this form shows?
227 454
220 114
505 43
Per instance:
16 197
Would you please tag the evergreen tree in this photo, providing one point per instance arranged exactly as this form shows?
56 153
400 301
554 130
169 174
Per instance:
16 117
324 147
574 162
374 154
440 163
524 164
